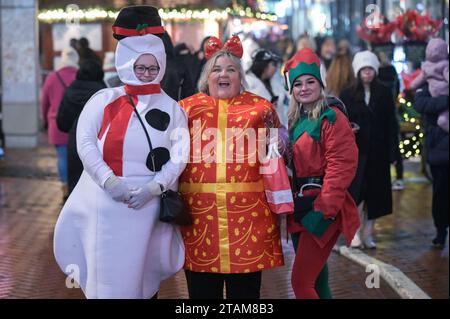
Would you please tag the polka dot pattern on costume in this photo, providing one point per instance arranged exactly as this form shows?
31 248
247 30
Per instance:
158 119
161 157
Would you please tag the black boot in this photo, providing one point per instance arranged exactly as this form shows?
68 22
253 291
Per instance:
439 240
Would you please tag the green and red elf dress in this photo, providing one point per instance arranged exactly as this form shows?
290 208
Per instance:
327 148
324 150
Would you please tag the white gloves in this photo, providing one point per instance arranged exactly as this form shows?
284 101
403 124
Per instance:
142 195
117 189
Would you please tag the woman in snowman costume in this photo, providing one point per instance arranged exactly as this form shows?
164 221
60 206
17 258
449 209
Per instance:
108 235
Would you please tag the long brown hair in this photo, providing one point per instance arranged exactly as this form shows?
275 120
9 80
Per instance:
340 75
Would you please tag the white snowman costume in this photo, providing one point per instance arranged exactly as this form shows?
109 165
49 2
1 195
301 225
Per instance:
116 251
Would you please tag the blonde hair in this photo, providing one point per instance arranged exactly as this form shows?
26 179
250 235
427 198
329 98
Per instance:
295 109
207 70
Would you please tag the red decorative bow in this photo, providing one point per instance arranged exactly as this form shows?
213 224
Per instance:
233 46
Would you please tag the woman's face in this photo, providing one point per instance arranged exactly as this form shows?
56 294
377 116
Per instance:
270 70
146 68
367 75
306 89
328 49
224 81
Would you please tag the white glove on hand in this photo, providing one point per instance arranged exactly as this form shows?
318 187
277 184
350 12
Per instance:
142 195
117 189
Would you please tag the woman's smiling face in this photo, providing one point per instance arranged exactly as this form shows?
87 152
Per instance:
307 89
146 68
224 81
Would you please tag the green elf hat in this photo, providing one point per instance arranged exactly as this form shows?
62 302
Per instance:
303 62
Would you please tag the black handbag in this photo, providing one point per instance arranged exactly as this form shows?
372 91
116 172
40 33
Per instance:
303 204
173 208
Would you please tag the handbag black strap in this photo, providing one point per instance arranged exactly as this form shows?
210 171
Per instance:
145 130
61 80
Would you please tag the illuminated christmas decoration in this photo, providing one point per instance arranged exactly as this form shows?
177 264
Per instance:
411 142
417 27
99 14
376 34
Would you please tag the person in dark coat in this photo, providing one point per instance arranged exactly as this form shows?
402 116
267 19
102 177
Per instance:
436 143
371 110
184 56
89 80
200 62
388 76
177 82
85 52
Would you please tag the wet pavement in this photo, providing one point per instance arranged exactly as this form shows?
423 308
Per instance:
30 201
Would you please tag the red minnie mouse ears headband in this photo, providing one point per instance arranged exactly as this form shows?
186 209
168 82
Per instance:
233 46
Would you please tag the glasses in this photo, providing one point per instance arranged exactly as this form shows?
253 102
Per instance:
141 69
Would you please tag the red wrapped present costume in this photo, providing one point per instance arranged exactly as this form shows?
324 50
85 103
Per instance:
234 230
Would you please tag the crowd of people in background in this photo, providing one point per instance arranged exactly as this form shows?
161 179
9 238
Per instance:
355 92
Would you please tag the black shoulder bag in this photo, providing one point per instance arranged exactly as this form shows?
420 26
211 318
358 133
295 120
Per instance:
173 208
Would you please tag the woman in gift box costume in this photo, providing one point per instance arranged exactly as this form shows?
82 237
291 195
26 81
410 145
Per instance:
324 160
234 236
108 233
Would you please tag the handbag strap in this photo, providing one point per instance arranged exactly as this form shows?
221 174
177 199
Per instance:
61 80
145 130
298 184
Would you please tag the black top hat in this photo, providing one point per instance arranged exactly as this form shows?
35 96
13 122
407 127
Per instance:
137 20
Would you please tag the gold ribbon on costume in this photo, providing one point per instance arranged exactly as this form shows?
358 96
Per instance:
224 187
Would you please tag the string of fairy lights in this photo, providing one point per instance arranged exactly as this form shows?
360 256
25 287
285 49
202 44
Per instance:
183 14
411 142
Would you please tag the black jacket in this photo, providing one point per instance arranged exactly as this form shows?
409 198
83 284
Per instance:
377 142
177 82
74 99
436 139
388 76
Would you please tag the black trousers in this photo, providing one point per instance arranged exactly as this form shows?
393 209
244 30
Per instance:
399 165
440 196
210 285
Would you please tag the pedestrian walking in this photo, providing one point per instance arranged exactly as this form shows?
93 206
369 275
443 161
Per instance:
387 75
261 80
88 81
200 61
177 82
324 164
371 109
234 236
435 72
326 49
51 95
431 101
85 52
340 75
109 227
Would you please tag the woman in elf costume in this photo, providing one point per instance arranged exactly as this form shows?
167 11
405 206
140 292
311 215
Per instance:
234 235
324 162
